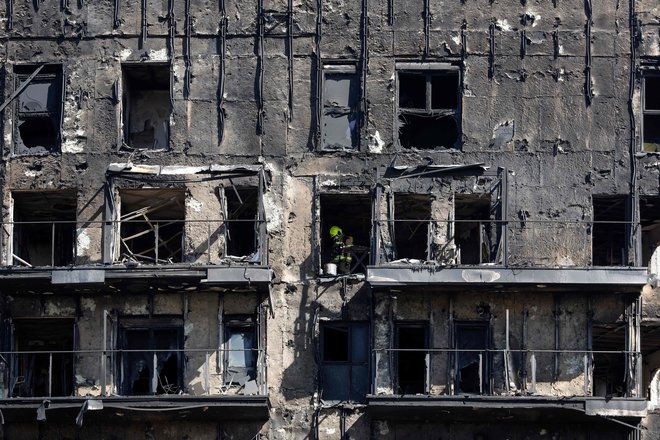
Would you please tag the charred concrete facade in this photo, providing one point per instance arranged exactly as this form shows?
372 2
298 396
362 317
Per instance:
171 169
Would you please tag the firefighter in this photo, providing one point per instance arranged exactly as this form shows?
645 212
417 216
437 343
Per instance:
340 255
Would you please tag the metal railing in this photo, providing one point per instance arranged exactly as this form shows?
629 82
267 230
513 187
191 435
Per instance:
509 372
68 243
49 377
530 243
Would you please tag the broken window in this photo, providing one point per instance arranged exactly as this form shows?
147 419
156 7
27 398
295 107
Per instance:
152 223
428 105
340 108
151 360
344 361
472 365
242 224
649 215
609 368
38 110
146 104
411 366
44 227
609 231
240 355
43 365
651 121
412 214
473 230
352 214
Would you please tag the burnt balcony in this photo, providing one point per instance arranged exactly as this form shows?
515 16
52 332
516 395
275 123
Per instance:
94 252
420 382
209 383
539 252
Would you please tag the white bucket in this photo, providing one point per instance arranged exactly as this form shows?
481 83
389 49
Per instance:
331 269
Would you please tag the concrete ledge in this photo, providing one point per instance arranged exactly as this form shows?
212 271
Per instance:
384 276
239 275
169 407
464 407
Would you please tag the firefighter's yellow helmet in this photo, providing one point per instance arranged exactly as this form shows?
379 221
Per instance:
334 231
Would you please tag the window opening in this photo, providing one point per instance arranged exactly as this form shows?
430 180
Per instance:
473 229
39 110
35 340
651 121
411 365
146 104
412 213
609 230
609 368
240 350
344 361
152 223
152 362
351 213
340 108
429 108
242 205
44 228
649 213
472 367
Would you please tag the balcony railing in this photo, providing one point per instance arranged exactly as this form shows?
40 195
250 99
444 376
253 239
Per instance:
442 371
58 373
519 243
156 242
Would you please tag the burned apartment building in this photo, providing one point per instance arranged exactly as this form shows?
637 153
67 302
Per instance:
171 170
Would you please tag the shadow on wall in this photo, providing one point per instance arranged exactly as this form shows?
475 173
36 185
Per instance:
300 377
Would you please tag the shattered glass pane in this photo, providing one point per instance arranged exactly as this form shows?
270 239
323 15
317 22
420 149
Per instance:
38 115
40 96
242 343
339 130
427 132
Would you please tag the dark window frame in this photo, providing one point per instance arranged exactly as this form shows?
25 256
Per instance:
235 223
150 324
17 382
487 363
354 109
429 71
126 106
25 232
50 73
323 240
649 112
353 394
425 327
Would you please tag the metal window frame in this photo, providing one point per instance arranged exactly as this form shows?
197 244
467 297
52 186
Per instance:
647 73
21 81
350 363
339 69
428 70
